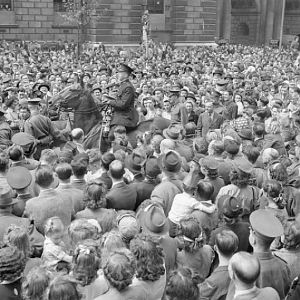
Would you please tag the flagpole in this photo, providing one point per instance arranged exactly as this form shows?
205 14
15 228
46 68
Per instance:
282 23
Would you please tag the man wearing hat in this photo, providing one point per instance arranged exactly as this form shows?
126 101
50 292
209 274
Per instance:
135 163
178 112
7 219
170 186
124 111
40 127
274 272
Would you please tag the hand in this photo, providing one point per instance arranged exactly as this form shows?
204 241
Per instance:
194 167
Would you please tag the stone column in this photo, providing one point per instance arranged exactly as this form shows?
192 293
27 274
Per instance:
269 21
220 19
227 20
263 16
277 19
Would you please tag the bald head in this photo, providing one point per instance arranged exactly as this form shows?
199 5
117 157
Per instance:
116 169
167 145
77 134
245 267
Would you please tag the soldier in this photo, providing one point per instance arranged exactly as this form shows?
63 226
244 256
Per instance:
40 127
123 104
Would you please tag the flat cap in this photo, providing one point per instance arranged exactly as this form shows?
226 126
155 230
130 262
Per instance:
23 139
18 177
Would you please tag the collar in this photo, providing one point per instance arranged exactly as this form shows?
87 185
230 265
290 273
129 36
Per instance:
244 292
116 183
263 255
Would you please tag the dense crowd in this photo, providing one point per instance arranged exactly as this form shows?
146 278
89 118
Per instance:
205 208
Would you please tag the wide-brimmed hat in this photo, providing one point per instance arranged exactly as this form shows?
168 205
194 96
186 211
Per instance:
152 169
246 134
135 161
124 68
175 89
209 163
171 161
172 132
44 84
6 197
154 221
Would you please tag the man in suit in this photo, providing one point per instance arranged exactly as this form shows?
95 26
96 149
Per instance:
244 270
121 195
178 113
124 111
209 120
7 219
49 203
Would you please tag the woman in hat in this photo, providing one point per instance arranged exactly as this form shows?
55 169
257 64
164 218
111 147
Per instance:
150 273
195 254
12 264
95 205
182 285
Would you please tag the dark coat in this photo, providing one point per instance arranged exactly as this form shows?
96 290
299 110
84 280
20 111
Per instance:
206 123
124 111
49 203
274 141
143 191
230 110
121 196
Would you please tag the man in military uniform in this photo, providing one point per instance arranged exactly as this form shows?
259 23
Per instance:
5 132
40 127
274 272
123 104
179 113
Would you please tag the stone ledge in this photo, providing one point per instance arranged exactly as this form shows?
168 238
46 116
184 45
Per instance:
56 26
9 26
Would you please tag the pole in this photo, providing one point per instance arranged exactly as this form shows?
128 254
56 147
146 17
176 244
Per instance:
281 26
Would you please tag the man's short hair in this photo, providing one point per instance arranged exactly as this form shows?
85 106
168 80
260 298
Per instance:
245 266
77 134
227 242
15 153
205 189
116 169
63 171
259 129
252 153
79 167
49 156
44 176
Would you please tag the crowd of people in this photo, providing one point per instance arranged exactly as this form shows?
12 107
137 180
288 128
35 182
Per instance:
205 208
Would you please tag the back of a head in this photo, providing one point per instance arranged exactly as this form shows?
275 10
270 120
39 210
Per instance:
205 189
231 147
200 145
116 169
77 134
259 129
269 154
63 171
227 242
49 157
15 153
166 145
79 167
106 160
218 147
245 267
181 285
252 153
44 176
190 128
63 288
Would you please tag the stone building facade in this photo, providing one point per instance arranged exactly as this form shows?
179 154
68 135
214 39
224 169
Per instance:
171 20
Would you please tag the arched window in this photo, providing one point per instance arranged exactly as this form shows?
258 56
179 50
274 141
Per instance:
242 29
6 5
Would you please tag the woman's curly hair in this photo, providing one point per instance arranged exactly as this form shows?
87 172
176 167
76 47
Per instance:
119 268
182 285
36 283
239 178
95 195
85 264
12 263
278 172
149 257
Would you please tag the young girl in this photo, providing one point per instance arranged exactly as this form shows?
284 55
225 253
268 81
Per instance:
54 246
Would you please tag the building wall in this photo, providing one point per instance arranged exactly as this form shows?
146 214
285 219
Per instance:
33 20
181 21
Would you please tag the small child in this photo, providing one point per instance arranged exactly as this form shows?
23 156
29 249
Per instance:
54 246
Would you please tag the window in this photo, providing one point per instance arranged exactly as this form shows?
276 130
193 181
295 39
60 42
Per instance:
59 5
243 29
6 5
292 4
243 4
155 6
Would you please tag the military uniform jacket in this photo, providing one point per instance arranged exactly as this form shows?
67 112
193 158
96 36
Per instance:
124 111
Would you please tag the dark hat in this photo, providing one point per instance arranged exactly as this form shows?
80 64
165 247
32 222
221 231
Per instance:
209 163
232 207
152 168
6 197
266 223
218 71
11 88
124 68
135 161
154 221
246 134
44 84
191 95
34 101
171 161
172 132
18 177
